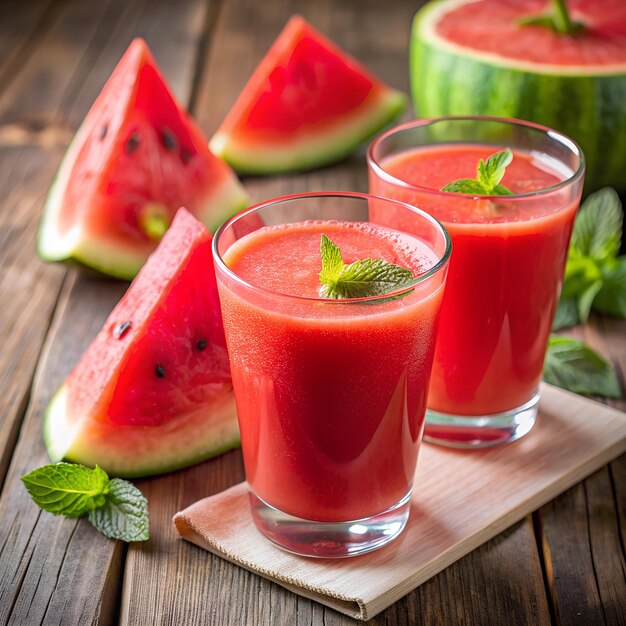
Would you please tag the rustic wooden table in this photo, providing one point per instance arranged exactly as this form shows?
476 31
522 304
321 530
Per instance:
564 564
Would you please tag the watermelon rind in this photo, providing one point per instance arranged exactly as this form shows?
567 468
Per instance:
137 451
77 247
584 102
318 147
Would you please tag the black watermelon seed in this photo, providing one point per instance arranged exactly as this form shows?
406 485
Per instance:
103 132
121 330
132 143
168 139
201 345
186 156
160 371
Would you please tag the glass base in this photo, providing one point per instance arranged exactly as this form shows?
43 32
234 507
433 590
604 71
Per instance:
334 540
480 431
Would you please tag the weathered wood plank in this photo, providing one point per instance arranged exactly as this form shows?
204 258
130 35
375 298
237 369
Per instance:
582 543
45 576
506 571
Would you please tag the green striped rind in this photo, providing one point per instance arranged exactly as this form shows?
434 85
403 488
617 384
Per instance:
590 108
136 451
317 148
111 258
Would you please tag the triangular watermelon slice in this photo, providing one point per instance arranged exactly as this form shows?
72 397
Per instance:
307 104
137 157
153 391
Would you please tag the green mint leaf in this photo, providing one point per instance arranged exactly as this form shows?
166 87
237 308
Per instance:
67 489
598 227
557 18
489 173
465 185
611 297
332 261
361 279
566 314
124 514
586 298
572 365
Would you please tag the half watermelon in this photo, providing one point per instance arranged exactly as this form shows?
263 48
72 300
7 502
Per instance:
153 391
307 104
136 158
482 57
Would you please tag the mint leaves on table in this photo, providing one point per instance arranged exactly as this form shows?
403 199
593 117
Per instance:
595 277
572 365
114 506
489 173
361 279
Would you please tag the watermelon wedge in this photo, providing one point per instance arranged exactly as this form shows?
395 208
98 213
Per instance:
482 57
153 391
307 104
136 158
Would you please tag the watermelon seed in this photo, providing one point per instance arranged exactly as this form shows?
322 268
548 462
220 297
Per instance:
168 139
103 132
132 143
201 345
185 156
121 330
160 371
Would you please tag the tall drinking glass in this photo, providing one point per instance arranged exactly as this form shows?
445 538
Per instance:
330 393
506 268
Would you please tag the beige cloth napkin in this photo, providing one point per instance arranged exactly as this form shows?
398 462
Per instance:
460 500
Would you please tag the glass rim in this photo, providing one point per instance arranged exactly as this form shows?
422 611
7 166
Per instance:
561 138
407 287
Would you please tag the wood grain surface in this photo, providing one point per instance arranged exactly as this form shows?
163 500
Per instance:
54 58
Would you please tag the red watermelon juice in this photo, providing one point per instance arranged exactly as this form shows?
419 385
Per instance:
504 281
330 394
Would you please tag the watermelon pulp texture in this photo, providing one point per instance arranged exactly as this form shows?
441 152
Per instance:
471 57
153 391
134 161
307 104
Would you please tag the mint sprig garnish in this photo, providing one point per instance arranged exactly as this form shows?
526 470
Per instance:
557 18
572 365
115 507
595 276
361 279
489 173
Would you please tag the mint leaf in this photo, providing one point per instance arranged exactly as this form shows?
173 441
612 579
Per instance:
594 277
489 173
611 298
566 314
557 18
361 279
124 515
598 227
67 489
115 507
572 365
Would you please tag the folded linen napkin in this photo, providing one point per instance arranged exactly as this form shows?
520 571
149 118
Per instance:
460 500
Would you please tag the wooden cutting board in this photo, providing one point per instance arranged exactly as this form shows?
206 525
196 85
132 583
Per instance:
460 500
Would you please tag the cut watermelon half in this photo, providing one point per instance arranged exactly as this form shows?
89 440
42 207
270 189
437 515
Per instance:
307 104
136 158
477 57
153 391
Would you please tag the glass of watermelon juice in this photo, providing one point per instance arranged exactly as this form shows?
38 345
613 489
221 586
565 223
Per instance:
506 269
330 394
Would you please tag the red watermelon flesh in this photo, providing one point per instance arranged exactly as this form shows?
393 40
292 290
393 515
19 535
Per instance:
602 42
307 104
153 391
137 157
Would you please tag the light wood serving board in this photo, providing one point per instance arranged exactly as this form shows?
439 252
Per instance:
460 500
